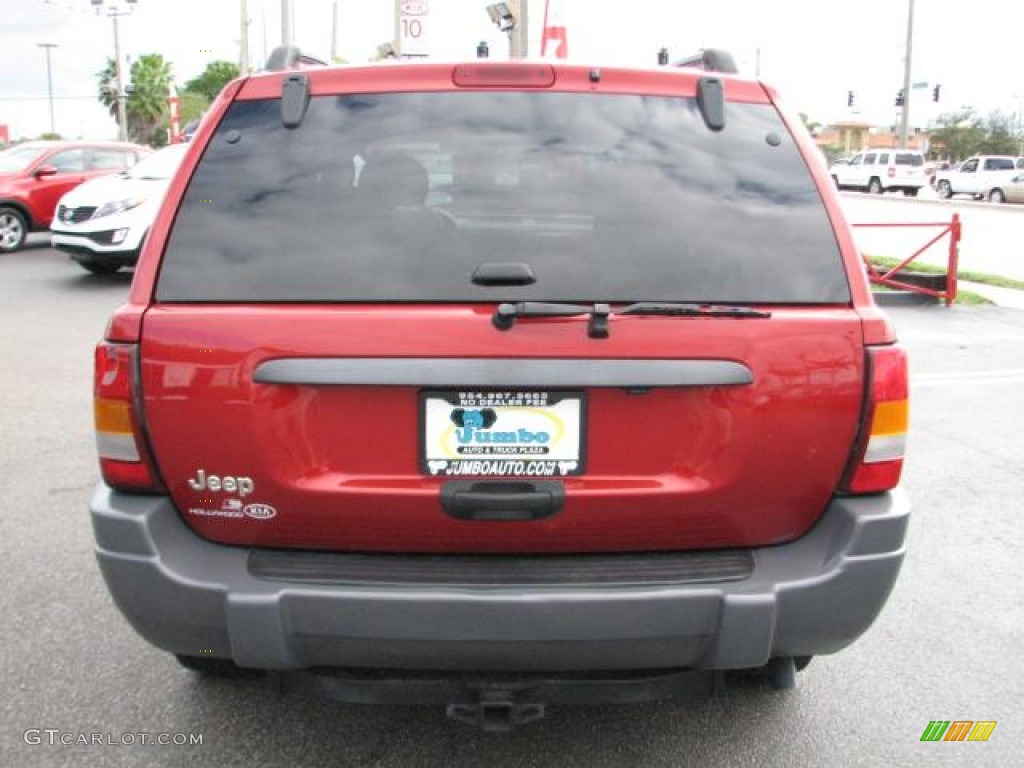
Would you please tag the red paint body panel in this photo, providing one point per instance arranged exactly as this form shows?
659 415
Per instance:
675 468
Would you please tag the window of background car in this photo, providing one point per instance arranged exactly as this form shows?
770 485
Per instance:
68 161
112 159
999 164
883 159
161 164
17 159
909 158
400 197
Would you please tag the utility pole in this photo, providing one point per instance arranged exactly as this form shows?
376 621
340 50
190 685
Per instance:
905 117
287 22
115 11
122 107
49 83
243 39
519 35
334 32
397 40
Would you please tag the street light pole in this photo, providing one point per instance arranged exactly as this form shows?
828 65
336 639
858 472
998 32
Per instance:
519 34
114 11
1020 136
287 22
49 84
905 117
243 38
122 107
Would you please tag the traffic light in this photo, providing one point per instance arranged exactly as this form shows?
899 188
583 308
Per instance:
936 91
663 57
849 98
900 98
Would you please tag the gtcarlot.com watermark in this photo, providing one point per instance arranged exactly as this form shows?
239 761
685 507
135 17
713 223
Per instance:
56 737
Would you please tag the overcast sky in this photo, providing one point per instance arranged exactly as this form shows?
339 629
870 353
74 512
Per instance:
814 51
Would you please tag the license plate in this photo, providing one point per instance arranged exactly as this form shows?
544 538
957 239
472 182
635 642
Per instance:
502 434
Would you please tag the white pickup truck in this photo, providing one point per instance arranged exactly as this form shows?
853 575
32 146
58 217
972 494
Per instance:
981 177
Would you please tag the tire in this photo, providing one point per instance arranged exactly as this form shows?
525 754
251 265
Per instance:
996 196
99 267
13 230
210 666
911 192
875 186
944 190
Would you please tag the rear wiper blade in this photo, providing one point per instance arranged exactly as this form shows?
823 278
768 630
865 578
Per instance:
691 310
505 315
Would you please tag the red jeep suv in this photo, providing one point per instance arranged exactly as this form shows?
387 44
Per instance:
35 175
500 384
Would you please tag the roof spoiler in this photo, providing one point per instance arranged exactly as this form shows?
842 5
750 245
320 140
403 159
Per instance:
710 60
286 57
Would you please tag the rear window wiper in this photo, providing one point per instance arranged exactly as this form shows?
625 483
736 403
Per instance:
505 315
691 310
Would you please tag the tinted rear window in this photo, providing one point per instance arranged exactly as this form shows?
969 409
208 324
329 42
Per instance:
909 158
401 197
999 164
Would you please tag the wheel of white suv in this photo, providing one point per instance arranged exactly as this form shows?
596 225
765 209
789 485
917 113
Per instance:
944 190
13 230
875 186
996 196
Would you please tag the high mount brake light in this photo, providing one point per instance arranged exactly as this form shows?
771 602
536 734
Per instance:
124 459
877 461
509 74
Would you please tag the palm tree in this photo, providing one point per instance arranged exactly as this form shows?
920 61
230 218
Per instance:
107 92
146 105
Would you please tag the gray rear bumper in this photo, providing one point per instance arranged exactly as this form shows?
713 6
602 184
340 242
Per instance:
189 596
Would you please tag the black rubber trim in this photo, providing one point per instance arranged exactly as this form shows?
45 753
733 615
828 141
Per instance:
501 500
501 372
643 569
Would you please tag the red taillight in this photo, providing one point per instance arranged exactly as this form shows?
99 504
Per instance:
124 459
877 461
892 172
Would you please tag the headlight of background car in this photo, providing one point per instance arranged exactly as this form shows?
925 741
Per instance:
118 206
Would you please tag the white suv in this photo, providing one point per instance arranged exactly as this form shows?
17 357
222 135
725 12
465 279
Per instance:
102 223
881 170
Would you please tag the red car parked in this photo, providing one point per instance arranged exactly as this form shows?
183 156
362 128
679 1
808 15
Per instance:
500 384
35 175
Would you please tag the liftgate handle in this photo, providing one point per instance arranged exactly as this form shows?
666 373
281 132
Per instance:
501 500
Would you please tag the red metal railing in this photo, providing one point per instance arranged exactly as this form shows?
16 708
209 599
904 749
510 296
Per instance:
889 276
